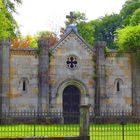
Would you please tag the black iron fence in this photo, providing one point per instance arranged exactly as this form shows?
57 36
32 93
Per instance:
54 124
30 117
115 125
109 125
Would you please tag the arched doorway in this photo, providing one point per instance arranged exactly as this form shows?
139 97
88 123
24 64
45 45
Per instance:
71 104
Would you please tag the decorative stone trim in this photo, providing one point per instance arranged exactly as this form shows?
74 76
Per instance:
78 84
23 52
117 54
69 82
76 37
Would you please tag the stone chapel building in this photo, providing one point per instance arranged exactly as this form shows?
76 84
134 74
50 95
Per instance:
67 75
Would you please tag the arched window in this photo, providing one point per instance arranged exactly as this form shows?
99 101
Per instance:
23 85
118 84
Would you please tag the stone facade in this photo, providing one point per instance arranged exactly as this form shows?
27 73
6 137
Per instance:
35 79
23 72
118 72
61 75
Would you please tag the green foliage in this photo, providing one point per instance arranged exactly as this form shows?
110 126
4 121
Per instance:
127 11
33 43
42 34
80 17
128 38
105 28
86 30
11 4
135 19
8 24
1 4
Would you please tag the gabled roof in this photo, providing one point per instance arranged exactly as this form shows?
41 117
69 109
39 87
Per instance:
65 36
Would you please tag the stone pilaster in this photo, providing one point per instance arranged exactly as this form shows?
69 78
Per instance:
43 96
4 73
135 84
1 54
100 73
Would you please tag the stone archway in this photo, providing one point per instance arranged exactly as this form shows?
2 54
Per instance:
65 88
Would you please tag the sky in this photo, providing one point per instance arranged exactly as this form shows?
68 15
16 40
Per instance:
49 15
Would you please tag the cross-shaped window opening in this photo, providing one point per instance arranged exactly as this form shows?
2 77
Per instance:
72 62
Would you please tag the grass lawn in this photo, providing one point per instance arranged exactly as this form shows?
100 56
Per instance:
97 131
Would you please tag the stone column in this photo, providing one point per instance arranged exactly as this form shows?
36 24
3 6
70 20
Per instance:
43 96
5 50
84 122
1 54
100 72
135 85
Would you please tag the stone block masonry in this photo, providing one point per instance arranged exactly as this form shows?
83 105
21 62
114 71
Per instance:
23 79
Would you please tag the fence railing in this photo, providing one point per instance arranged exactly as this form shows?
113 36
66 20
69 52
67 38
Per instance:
115 125
28 117
108 125
39 124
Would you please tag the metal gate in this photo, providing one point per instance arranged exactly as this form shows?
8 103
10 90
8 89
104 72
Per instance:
71 103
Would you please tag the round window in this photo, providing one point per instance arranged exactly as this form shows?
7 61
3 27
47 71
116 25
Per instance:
72 62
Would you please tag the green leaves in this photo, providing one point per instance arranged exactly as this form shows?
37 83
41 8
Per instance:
127 11
80 17
128 39
86 30
104 28
7 22
10 4
135 19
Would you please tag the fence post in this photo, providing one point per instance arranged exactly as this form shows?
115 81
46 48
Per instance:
34 123
84 122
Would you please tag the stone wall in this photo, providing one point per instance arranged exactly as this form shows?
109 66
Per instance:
136 84
4 80
23 69
118 69
60 73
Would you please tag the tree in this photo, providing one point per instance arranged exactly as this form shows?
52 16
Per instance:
51 37
128 38
135 18
86 30
11 4
105 28
24 42
31 41
7 22
127 11
21 43
79 17
6 26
